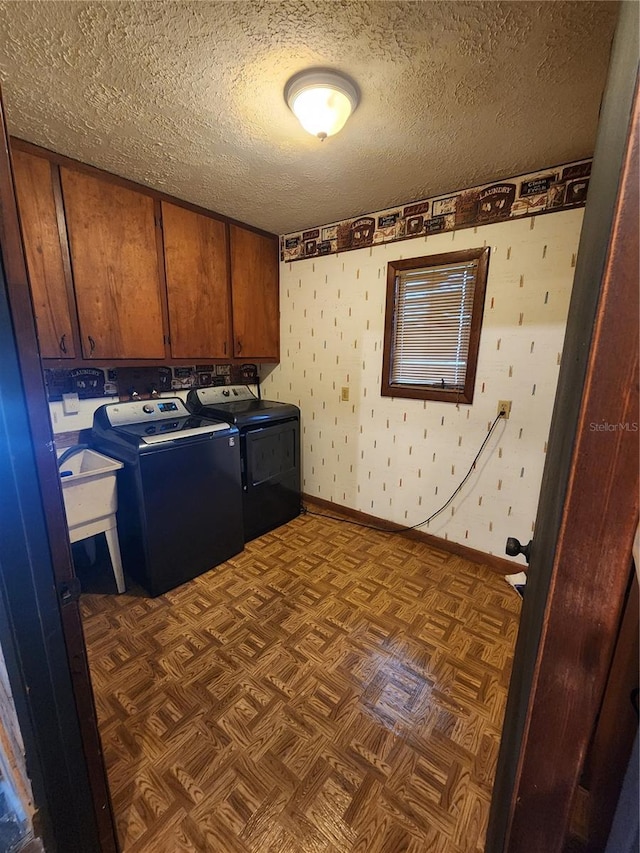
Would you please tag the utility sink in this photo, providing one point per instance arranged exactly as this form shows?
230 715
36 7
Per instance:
90 499
89 491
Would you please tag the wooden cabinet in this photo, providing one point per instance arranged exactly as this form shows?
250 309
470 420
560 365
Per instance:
49 274
197 273
114 256
112 284
254 285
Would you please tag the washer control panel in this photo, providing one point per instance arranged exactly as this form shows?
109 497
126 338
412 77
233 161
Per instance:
225 394
137 412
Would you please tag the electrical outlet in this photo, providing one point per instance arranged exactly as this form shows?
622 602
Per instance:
504 406
344 395
70 404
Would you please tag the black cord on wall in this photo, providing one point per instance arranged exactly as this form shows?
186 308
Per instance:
433 514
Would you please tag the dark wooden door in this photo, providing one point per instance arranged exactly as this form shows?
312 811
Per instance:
255 293
114 256
197 270
615 730
36 569
49 273
588 508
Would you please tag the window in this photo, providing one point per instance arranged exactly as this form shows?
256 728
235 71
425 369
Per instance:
432 325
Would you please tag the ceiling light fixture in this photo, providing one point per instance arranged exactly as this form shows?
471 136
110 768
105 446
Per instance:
322 100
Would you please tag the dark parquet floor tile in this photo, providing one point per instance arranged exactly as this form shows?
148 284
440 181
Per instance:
329 690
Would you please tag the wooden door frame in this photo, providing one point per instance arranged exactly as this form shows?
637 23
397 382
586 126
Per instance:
588 508
51 674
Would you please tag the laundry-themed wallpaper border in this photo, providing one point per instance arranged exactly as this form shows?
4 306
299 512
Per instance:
94 382
545 191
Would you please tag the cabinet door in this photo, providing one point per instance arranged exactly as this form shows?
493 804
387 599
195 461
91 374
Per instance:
45 262
254 288
114 256
197 269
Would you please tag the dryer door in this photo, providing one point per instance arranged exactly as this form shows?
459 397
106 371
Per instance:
271 476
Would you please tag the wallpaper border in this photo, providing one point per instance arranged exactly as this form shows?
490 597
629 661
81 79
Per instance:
562 187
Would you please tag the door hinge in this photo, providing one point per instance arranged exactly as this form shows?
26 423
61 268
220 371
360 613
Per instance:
69 591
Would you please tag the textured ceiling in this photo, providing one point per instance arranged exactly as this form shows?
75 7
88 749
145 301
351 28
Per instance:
187 97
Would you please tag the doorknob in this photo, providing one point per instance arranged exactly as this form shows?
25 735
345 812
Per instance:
514 548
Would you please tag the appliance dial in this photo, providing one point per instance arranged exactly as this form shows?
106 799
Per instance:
147 408
225 393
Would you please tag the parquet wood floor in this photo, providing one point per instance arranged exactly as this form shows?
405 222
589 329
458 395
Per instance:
329 690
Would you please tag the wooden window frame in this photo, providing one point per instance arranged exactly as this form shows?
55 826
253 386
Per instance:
420 392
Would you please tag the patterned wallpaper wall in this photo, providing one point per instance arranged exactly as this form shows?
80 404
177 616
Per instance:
401 459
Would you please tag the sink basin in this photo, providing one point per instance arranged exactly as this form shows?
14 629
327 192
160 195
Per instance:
91 500
89 492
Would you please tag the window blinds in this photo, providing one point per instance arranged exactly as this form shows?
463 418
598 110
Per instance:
432 325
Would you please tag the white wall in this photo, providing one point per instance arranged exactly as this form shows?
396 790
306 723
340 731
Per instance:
82 419
401 459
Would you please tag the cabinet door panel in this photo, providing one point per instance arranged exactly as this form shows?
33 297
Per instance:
49 288
254 286
196 264
115 268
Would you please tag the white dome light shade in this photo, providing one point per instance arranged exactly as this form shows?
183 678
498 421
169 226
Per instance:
322 100
322 112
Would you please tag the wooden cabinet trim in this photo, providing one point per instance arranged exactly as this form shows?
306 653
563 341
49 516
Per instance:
232 332
72 363
66 257
164 294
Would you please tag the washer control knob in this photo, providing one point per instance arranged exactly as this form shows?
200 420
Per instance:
147 408
225 393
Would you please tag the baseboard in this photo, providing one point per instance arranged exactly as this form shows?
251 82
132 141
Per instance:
491 561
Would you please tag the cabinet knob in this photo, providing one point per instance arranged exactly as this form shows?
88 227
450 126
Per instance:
92 344
63 346
239 346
